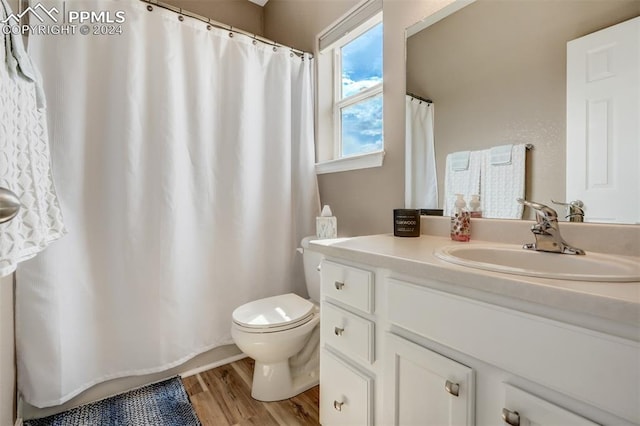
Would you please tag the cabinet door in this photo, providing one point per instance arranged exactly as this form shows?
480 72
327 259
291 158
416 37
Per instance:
524 409
425 388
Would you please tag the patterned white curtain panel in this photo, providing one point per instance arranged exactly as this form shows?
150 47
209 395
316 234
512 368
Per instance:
25 166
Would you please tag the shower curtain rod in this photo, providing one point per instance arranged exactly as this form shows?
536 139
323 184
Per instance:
420 98
182 13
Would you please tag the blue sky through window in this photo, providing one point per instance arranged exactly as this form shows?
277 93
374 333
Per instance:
362 62
362 127
361 69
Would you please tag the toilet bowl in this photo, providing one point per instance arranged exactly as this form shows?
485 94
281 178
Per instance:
280 333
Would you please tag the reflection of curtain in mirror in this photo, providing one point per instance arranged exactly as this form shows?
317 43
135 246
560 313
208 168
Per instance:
421 180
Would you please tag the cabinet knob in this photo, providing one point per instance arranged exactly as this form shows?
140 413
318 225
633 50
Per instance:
338 331
511 417
338 405
339 285
452 388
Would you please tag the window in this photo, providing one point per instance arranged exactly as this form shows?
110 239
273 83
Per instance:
349 92
358 104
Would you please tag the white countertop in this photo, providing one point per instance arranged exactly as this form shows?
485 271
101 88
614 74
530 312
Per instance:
597 304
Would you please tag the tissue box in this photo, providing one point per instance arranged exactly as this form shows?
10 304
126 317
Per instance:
326 227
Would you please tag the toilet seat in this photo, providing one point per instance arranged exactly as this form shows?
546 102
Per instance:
271 314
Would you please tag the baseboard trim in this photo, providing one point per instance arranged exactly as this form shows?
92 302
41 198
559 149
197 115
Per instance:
215 364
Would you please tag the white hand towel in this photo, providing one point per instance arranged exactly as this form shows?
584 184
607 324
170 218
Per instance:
503 182
24 164
464 181
460 160
501 154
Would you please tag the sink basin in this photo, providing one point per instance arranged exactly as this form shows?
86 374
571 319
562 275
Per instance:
518 261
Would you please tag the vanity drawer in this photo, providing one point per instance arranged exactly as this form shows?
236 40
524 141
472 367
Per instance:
531 410
349 285
346 393
346 332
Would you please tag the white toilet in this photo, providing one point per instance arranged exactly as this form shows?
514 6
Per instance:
281 334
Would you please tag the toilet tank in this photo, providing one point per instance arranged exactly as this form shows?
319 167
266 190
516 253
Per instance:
311 260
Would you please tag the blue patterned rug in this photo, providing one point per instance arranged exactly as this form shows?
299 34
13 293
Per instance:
160 404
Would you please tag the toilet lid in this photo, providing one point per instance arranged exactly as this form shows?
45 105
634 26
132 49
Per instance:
276 311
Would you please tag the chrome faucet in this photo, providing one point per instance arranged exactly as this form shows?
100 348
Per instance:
575 209
547 231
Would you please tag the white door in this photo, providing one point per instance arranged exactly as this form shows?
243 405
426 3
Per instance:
603 116
425 388
524 409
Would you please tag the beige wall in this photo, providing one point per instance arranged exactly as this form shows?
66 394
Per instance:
496 71
296 23
242 14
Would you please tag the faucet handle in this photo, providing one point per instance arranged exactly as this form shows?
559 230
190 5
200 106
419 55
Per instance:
575 210
542 211
574 203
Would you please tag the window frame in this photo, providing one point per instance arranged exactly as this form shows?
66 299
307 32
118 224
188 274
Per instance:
329 113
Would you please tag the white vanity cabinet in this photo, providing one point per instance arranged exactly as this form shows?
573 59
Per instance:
347 340
404 350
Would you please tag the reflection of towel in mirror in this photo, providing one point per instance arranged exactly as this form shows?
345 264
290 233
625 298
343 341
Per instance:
503 181
459 179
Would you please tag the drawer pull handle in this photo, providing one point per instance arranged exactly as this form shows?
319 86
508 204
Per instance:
339 285
511 417
452 388
338 331
338 405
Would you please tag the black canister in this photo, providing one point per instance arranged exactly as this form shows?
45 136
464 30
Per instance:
406 222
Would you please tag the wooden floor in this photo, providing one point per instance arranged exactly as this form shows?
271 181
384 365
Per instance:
222 396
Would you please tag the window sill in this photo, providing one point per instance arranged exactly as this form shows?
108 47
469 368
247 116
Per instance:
355 162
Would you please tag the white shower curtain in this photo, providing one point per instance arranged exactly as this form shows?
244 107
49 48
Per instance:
184 162
421 181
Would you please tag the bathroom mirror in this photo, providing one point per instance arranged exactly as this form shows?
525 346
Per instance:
496 72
